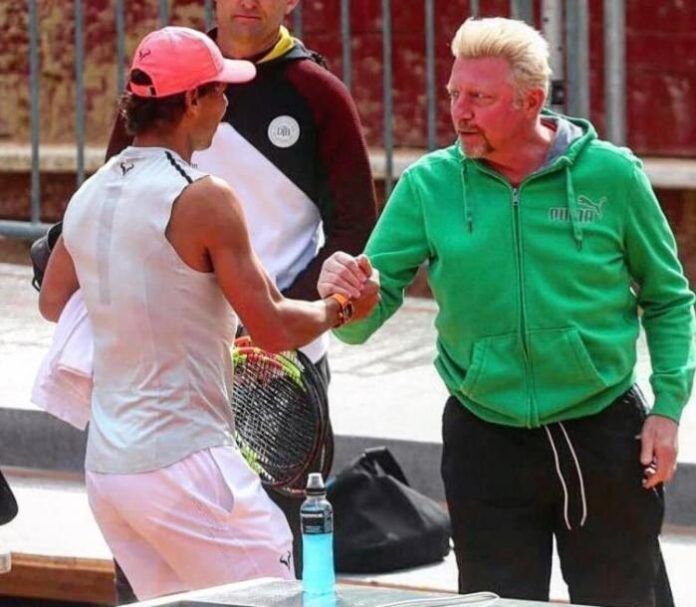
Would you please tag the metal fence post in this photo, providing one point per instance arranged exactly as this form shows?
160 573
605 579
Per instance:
522 10
615 70
297 21
552 27
387 97
35 109
209 18
578 59
79 93
346 55
163 12
120 46
430 93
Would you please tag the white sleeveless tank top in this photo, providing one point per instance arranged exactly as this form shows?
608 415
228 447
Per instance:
162 368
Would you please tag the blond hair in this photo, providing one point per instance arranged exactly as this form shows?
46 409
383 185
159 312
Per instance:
525 49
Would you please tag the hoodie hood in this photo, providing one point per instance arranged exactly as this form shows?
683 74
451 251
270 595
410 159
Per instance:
566 132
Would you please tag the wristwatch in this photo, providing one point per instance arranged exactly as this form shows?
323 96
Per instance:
345 308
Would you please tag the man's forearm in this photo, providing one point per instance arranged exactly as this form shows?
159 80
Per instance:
304 321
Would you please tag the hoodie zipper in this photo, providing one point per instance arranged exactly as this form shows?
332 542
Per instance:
520 268
532 419
523 304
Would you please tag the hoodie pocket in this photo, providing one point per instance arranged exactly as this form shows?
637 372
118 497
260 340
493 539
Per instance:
560 373
562 370
496 377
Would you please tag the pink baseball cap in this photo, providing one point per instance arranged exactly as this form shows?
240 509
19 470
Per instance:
179 59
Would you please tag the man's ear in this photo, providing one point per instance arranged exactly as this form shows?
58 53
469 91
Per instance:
534 100
192 97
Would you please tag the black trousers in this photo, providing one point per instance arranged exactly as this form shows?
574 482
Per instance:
511 490
289 505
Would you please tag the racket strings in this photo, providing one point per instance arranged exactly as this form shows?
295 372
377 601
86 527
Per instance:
276 424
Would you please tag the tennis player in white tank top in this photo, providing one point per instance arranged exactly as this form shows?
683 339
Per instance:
162 256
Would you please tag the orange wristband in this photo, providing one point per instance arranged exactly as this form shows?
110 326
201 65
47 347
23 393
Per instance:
345 308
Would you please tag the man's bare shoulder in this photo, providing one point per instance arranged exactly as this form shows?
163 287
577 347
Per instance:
206 215
207 202
208 192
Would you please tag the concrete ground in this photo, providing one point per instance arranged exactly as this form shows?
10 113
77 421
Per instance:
46 501
384 392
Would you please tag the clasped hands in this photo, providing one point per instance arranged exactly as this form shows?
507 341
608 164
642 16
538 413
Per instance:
353 277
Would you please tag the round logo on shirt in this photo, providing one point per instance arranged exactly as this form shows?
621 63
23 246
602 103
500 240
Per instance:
284 131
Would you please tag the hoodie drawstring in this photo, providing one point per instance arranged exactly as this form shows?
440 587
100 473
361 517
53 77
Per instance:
559 472
468 217
560 477
573 212
581 481
571 203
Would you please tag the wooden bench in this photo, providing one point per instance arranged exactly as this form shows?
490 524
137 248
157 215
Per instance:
57 550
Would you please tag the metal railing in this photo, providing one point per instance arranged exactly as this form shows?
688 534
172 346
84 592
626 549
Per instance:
572 39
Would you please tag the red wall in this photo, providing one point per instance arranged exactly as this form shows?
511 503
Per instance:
661 65
321 31
660 62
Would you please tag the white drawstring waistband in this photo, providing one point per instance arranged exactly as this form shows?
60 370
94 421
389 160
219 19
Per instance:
580 478
559 472
560 477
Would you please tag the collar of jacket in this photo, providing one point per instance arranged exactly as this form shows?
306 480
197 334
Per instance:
284 45
285 49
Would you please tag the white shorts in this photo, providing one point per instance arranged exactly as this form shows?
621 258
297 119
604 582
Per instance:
203 521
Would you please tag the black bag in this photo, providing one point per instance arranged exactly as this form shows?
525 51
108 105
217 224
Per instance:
8 504
380 522
40 251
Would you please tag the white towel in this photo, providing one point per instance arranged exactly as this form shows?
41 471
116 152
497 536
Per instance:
63 384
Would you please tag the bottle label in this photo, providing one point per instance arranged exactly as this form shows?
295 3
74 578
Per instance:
314 523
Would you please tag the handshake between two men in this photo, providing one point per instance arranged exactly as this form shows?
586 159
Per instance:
352 277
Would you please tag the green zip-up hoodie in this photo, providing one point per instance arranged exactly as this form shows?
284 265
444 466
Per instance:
537 319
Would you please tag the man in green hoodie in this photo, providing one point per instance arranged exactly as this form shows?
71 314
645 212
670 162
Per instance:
542 243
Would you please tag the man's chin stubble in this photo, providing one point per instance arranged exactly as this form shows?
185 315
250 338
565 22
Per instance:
476 152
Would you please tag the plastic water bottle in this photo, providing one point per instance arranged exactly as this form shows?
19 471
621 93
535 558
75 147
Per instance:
5 559
316 516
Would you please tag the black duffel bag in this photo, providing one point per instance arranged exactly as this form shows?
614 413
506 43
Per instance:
8 504
380 523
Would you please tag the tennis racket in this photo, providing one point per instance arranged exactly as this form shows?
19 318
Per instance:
281 416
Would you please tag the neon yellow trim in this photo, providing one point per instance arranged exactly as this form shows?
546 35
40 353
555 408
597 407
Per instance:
283 45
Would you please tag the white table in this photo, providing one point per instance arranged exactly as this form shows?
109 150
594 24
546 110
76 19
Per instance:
280 593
